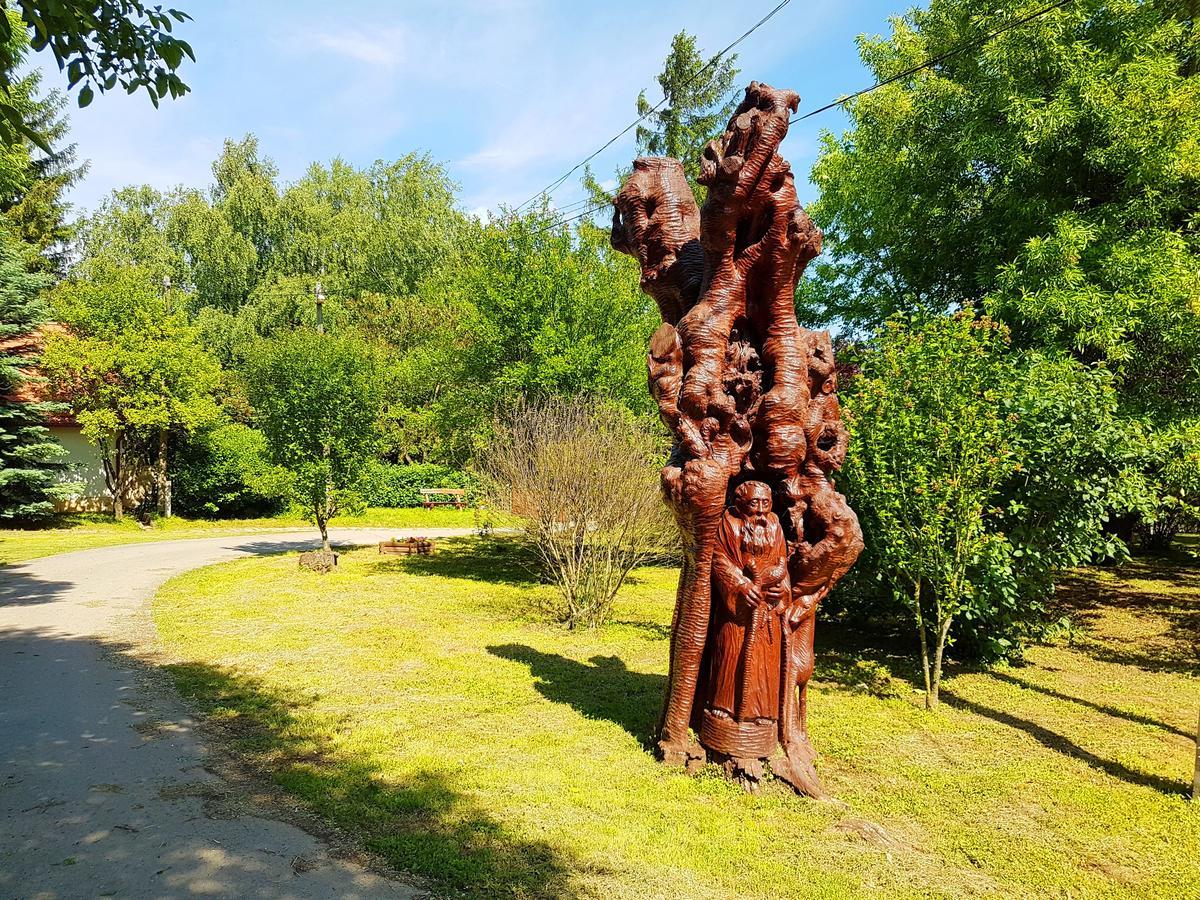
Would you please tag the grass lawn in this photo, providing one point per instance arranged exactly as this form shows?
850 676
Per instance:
424 705
82 532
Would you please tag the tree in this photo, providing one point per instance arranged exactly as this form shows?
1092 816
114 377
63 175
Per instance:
130 366
581 477
317 398
99 43
930 446
529 310
1048 173
698 98
31 462
32 180
698 95
1173 467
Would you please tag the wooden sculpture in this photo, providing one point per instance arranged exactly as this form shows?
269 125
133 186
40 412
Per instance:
750 399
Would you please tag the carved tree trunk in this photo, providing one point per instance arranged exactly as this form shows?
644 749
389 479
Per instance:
747 394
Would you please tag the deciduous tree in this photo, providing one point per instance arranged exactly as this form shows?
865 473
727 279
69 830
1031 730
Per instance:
317 398
130 366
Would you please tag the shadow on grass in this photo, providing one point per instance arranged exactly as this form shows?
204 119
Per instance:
1175 649
606 689
492 560
422 825
1098 707
881 663
1064 745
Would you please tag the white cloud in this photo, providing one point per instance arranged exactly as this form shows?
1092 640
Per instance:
384 48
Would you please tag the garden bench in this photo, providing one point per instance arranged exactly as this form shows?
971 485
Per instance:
431 497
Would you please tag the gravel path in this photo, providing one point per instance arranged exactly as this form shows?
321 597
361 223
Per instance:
106 790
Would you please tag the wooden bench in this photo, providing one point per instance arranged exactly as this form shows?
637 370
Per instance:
456 497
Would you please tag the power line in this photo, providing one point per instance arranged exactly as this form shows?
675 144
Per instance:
937 59
583 215
558 182
933 61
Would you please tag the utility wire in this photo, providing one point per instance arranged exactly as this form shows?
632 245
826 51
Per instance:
933 61
558 182
937 59
583 215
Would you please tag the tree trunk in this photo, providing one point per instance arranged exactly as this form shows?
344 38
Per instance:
117 485
1196 777
164 484
943 631
930 696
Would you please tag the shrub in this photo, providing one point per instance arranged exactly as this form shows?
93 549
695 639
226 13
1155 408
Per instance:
581 476
385 484
224 471
979 474
1173 471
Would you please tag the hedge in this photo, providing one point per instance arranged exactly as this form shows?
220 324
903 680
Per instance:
384 484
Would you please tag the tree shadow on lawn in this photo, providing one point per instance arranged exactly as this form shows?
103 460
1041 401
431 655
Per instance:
1064 745
422 825
496 560
606 689
1113 711
1175 650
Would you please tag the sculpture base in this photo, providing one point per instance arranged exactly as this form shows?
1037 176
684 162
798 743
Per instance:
746 740
749 751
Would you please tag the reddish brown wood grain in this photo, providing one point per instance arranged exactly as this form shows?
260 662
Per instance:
750 397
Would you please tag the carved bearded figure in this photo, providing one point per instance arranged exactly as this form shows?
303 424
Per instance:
751 594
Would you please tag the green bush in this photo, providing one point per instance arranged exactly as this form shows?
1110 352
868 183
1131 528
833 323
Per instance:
385 484
224 472
1061 465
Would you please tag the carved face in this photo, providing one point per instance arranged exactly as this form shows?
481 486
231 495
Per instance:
752 501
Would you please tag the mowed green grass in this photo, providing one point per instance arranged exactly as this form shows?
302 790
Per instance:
426 706
83 532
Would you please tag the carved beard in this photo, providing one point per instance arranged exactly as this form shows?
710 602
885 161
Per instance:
756 535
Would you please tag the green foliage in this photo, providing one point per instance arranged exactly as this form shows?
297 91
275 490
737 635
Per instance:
102 44
1061 462
225 471
31 462
34 175
530 310
317 398
699 99
1172 465
129 364
465 314
931 445
1051 171
389 485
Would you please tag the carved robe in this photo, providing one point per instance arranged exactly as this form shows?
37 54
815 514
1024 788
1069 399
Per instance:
746 662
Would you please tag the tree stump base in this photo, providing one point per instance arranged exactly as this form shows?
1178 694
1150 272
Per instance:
323 561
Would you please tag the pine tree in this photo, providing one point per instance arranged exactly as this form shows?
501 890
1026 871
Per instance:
33 181
31 462
699 101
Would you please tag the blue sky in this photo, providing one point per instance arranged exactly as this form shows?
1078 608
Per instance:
509 94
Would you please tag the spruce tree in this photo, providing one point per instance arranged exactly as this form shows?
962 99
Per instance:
700 98
31 462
